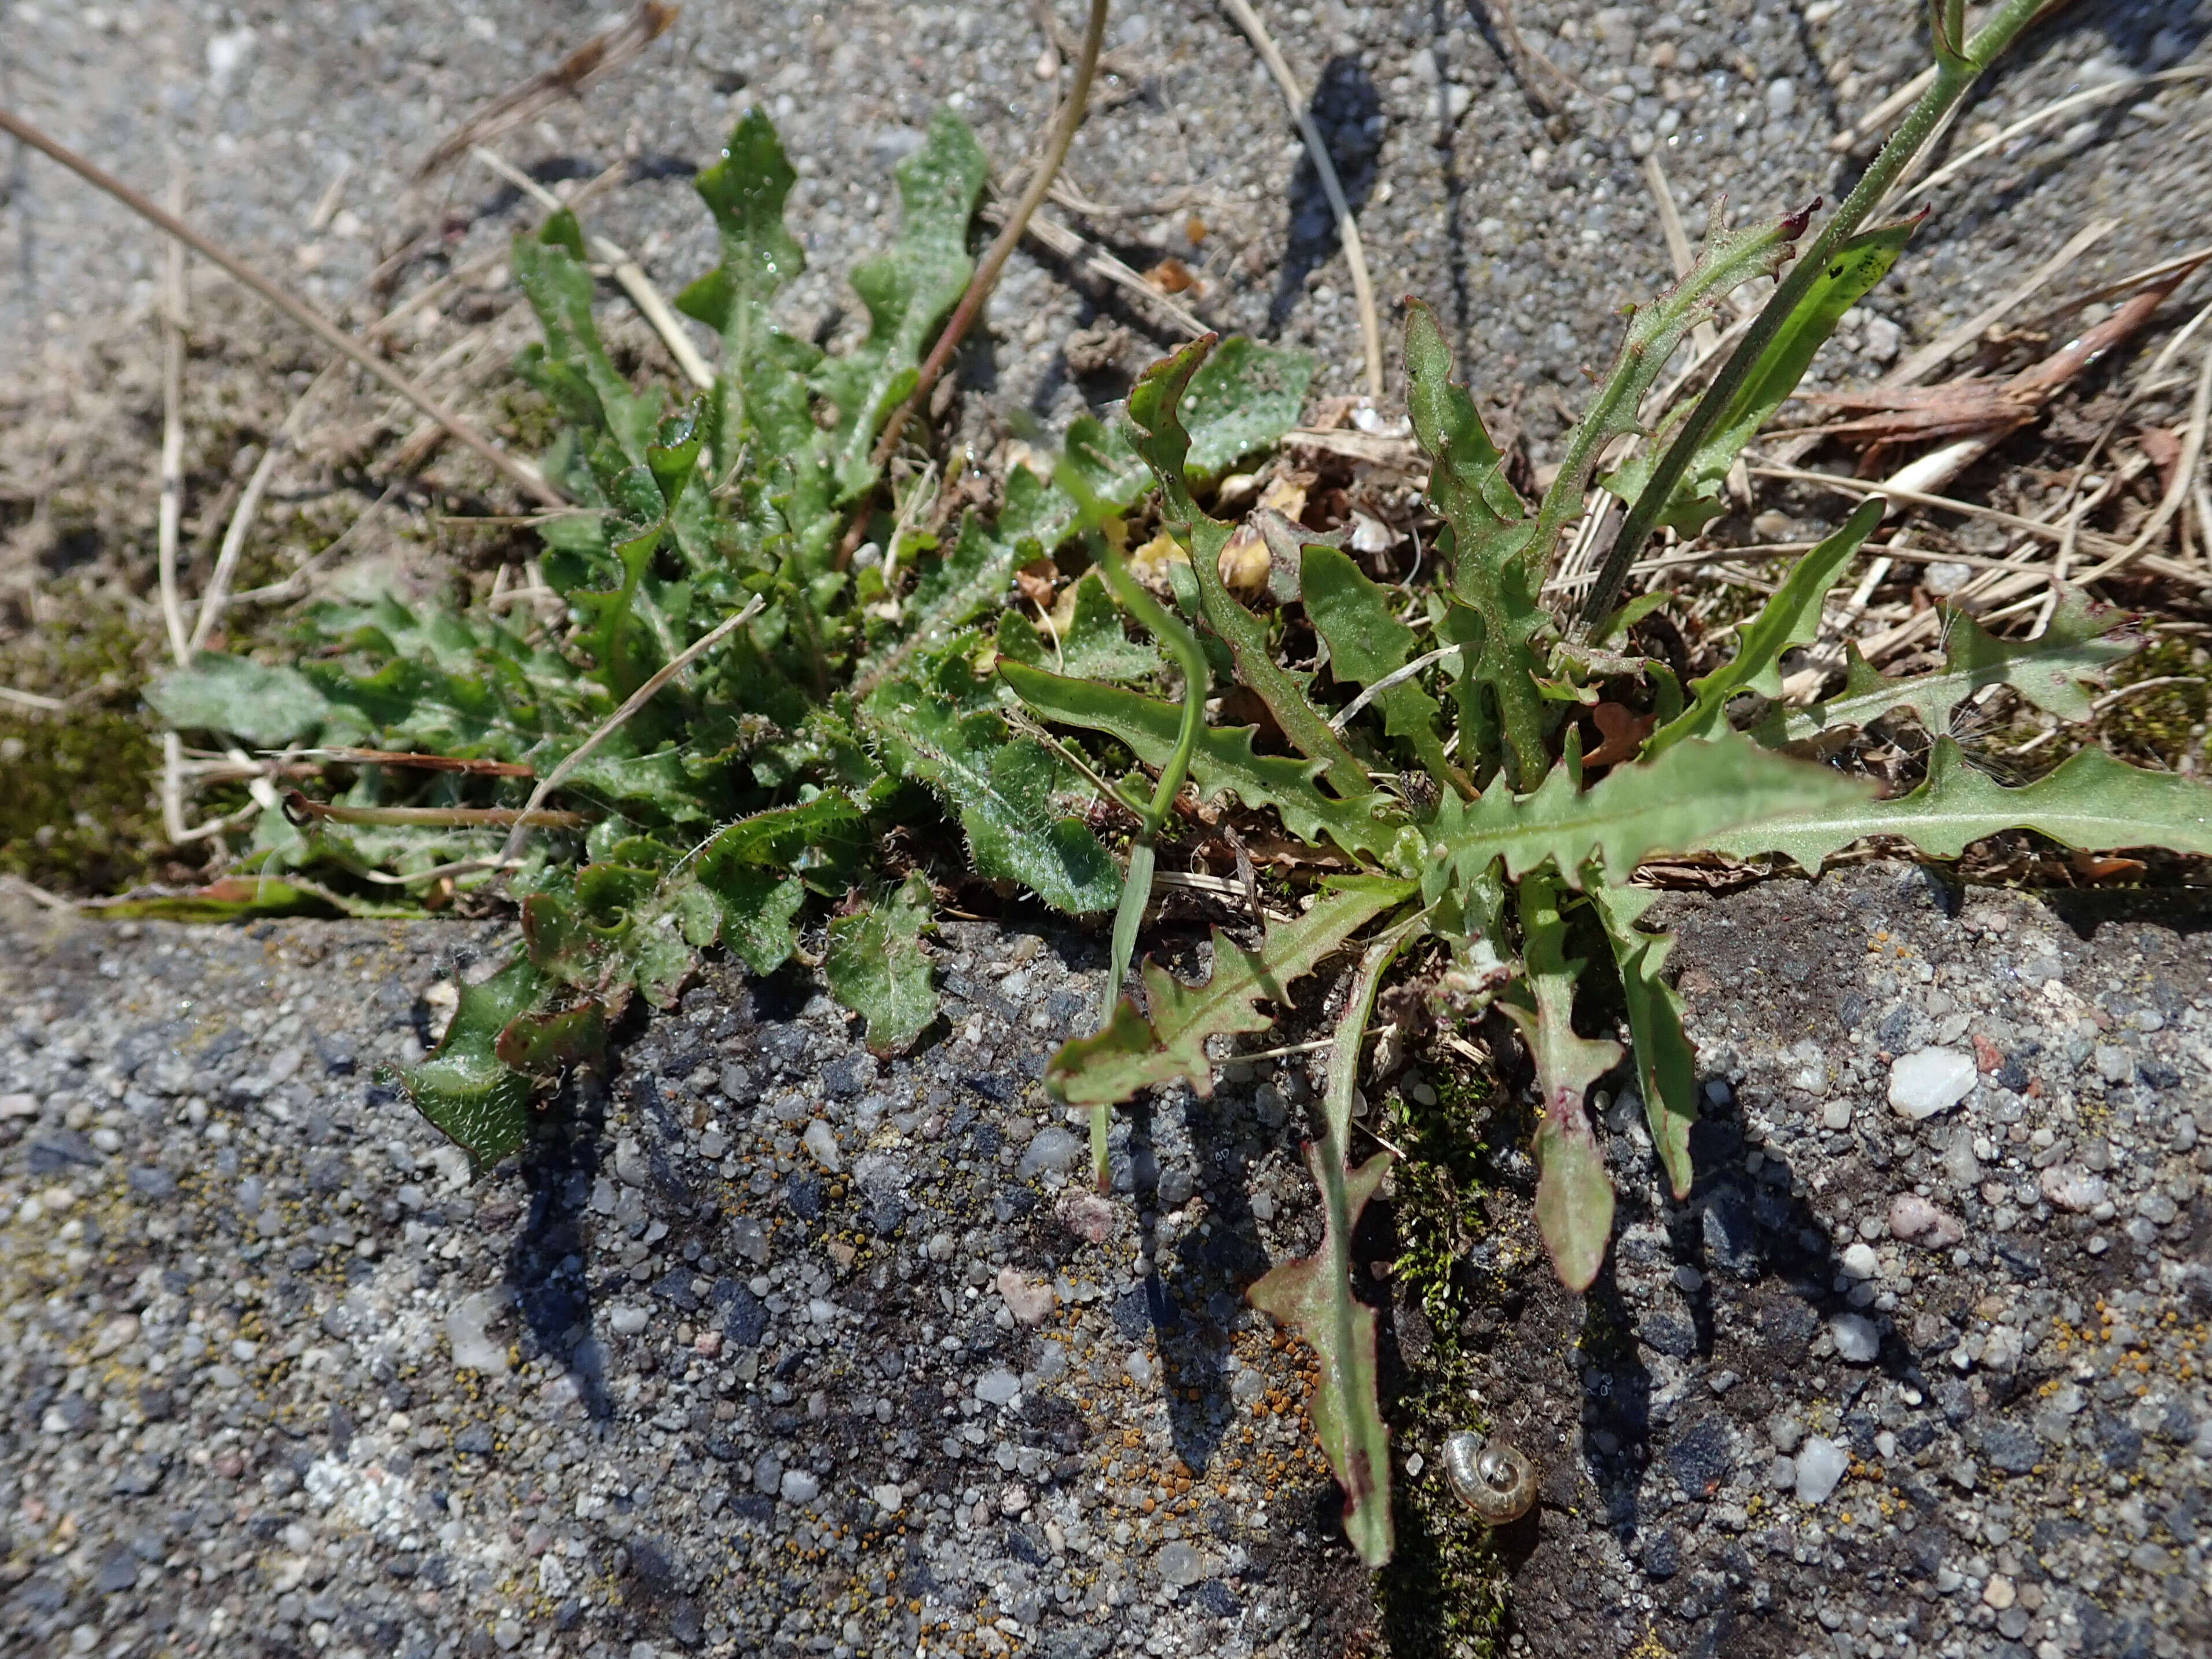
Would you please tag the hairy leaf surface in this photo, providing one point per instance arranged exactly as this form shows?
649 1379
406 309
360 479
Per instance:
877 967
939 726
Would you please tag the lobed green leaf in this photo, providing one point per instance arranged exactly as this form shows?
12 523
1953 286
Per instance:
2093 803
1688 798
1223 763
2049 671
1137 1051
877 967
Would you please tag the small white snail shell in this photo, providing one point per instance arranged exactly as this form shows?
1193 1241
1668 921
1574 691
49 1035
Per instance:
1490 1477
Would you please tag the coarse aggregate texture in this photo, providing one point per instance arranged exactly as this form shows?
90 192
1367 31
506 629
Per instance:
1510 194
762 1347
1881 1385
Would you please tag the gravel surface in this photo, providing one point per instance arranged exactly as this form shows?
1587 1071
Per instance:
1898 1377
1510 194
765 1346
762 1347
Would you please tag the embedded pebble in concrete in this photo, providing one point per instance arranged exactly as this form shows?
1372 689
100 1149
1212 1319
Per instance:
1820 1464
1929 1081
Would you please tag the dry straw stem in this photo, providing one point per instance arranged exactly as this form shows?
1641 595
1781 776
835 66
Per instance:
987 274
295 585
1932 357
522 477
1063 243
1347 230
2051 111
614 722
172 508
2185 474
627 271
605 52
241 521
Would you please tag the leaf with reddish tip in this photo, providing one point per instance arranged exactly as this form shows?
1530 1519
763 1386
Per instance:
1574 1195
1303 1295
546 1045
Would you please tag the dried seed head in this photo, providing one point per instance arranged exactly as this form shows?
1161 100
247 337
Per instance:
1491 1478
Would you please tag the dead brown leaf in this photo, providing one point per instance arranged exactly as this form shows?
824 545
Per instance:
1985 406
1624 731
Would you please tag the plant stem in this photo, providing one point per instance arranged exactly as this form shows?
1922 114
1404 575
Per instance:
987 274
1955 72
1137 885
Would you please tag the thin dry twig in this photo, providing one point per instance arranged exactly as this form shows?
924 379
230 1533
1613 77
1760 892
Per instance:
2185 474
1933 355
36 894
295 584
301 811
2110 700
242 522
2051 111
1002 248
627 271
1347 230
45 705
1065 244
523 477
614 722
1703 334
172 508
601 55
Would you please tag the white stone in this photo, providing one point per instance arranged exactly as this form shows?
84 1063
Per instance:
1861 1262
800 1487
627 1319
1930 1081
1781 98
1139 1368
1051 1148
1821 1463
1857 1339
2072 1188
888 1497
998 1386
1836 1115
630 1166
1030 1302
821 1140
473 1348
